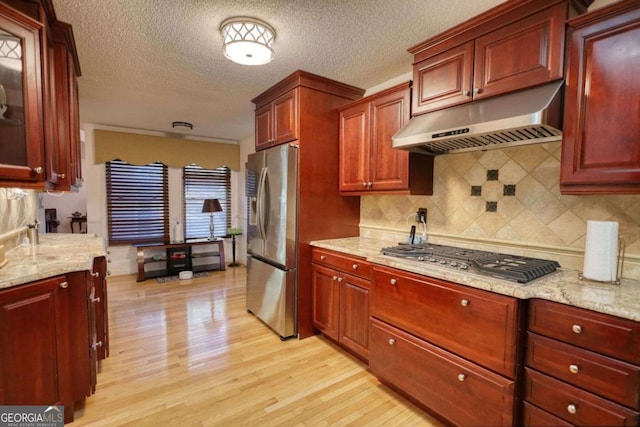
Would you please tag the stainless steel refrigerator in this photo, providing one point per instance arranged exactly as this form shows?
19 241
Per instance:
272 191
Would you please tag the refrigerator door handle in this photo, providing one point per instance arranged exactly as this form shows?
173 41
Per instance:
260 203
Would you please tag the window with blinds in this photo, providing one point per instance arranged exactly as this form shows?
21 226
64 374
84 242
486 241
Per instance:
201 184
137 203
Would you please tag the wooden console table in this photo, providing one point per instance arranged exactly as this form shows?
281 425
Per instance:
166 259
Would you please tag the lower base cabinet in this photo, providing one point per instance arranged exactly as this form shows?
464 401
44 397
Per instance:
459 391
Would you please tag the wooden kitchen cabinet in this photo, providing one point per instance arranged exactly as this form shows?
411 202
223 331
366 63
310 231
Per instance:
21 119
99 274
455 389
601 137
581 367
507 48
368 163
277 121
341 299
35 342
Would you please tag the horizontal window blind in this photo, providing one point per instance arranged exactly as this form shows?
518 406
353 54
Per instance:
201 184
137 203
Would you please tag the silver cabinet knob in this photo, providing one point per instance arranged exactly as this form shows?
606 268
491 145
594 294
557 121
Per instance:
574 369
466 92
99 343
96 274
369 184
335 277
392 341
323 257
95 299
464 302
476 90
38 170
62 175
572 408
340 279
355 266
577 329
393 282
462 377
364 184
64 285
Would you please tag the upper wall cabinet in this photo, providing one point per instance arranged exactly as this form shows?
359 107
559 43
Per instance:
40 123
277 121
368 163
509 47
21 115
601 138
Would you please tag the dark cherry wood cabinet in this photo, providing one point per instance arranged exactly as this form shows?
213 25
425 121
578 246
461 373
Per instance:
368 163
453 349
322 212
341 286
277 121
601 137
99 274
22 157
581 366
510 47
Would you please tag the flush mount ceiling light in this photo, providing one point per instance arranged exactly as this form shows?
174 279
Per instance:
183 125
247 41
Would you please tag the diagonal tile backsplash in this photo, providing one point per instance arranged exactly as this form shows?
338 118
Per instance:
511 195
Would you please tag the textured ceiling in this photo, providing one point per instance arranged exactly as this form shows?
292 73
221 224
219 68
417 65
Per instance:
146 63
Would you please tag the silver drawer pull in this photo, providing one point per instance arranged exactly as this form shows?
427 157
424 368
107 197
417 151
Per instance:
577 329
64 285
355 266
323 257
392 341
95 299
574 369
462 377
393 282
572 409
464 302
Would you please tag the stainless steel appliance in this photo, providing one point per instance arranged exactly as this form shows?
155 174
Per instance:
272 190
510 267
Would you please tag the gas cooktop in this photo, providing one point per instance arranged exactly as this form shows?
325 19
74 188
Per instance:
510 267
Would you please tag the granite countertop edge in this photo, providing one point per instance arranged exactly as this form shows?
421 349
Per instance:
57 254
563 286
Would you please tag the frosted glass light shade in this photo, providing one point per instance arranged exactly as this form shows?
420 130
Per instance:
247 41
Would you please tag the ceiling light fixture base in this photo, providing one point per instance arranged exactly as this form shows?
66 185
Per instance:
185 125
247 41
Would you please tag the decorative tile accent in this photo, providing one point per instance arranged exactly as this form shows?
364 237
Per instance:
537 213
509 190
492 206
492 175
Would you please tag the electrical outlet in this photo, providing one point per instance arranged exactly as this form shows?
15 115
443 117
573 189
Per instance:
421 215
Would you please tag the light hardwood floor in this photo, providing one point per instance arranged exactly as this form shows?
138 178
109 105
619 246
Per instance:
188 353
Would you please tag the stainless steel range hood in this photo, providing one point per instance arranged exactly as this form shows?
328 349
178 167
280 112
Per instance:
524 117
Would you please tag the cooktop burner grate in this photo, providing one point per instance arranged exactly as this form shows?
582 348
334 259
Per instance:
510 267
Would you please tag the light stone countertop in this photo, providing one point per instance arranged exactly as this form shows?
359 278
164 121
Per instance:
57 253
563 286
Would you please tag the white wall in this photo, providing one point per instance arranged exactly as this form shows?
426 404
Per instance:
123 257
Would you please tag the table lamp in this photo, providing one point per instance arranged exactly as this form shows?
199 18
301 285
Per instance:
211 206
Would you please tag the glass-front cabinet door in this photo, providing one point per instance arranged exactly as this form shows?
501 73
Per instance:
21 115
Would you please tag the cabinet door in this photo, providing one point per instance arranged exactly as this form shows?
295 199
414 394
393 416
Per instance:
601 138
285 118
443 80
525 53
325 297
102 310
354 314
388 168
34 344
264 129
21 119
354 148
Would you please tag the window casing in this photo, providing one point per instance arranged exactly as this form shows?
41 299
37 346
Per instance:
137 203
201 184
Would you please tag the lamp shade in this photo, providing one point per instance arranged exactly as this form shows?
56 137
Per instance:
211 205
247 41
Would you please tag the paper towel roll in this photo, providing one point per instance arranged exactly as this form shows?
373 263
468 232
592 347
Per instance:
601 251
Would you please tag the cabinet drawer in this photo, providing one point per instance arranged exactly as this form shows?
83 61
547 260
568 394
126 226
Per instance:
535 417
574 405
478 325
348 264
602 333
460 391
610 378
